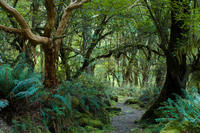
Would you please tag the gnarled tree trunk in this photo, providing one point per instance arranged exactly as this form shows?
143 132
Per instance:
176 79
177 69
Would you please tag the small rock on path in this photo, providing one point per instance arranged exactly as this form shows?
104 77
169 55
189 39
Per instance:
124 122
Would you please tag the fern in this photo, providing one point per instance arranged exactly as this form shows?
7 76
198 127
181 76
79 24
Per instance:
3 104
25 84
20 79
6 79
29 92
183 110
67 100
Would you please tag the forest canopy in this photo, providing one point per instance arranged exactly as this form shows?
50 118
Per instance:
65 62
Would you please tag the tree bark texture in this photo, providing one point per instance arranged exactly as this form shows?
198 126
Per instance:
177 69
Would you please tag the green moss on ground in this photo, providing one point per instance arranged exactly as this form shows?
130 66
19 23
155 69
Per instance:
134 101
114 109
91 122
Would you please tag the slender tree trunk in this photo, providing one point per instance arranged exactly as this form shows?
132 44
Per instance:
113 80
42 61
136 82
160 76
145 74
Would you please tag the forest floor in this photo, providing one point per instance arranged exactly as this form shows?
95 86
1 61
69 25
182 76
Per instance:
4 127
124 122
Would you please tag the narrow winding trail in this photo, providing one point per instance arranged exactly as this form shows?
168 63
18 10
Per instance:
124 122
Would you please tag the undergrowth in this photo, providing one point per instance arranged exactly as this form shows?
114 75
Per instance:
145 95
183 114
72 107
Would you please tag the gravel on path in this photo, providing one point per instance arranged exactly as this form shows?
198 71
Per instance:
124 122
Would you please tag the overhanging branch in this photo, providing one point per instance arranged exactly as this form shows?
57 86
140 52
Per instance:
26 31
119 52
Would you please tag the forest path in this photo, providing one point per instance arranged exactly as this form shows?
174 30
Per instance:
124 122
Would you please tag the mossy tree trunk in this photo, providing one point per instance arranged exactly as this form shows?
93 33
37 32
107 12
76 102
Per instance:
50 44
177 70
51 79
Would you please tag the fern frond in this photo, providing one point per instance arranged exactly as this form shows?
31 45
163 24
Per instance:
3 104
26 84
67 100
29 92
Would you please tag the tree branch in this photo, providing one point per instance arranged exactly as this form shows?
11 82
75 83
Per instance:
15 14
119 52
10 30
66 16
134 4
76 4
158 26
25 27
106 34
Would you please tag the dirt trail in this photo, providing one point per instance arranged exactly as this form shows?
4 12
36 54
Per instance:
124 122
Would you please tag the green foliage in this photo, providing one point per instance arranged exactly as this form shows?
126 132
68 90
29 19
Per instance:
26 124
146 96
185 111
90 91
17 82
149 95
6 79
26 87
3 104
63 106
125 91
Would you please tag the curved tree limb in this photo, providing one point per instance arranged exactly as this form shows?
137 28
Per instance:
24 25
